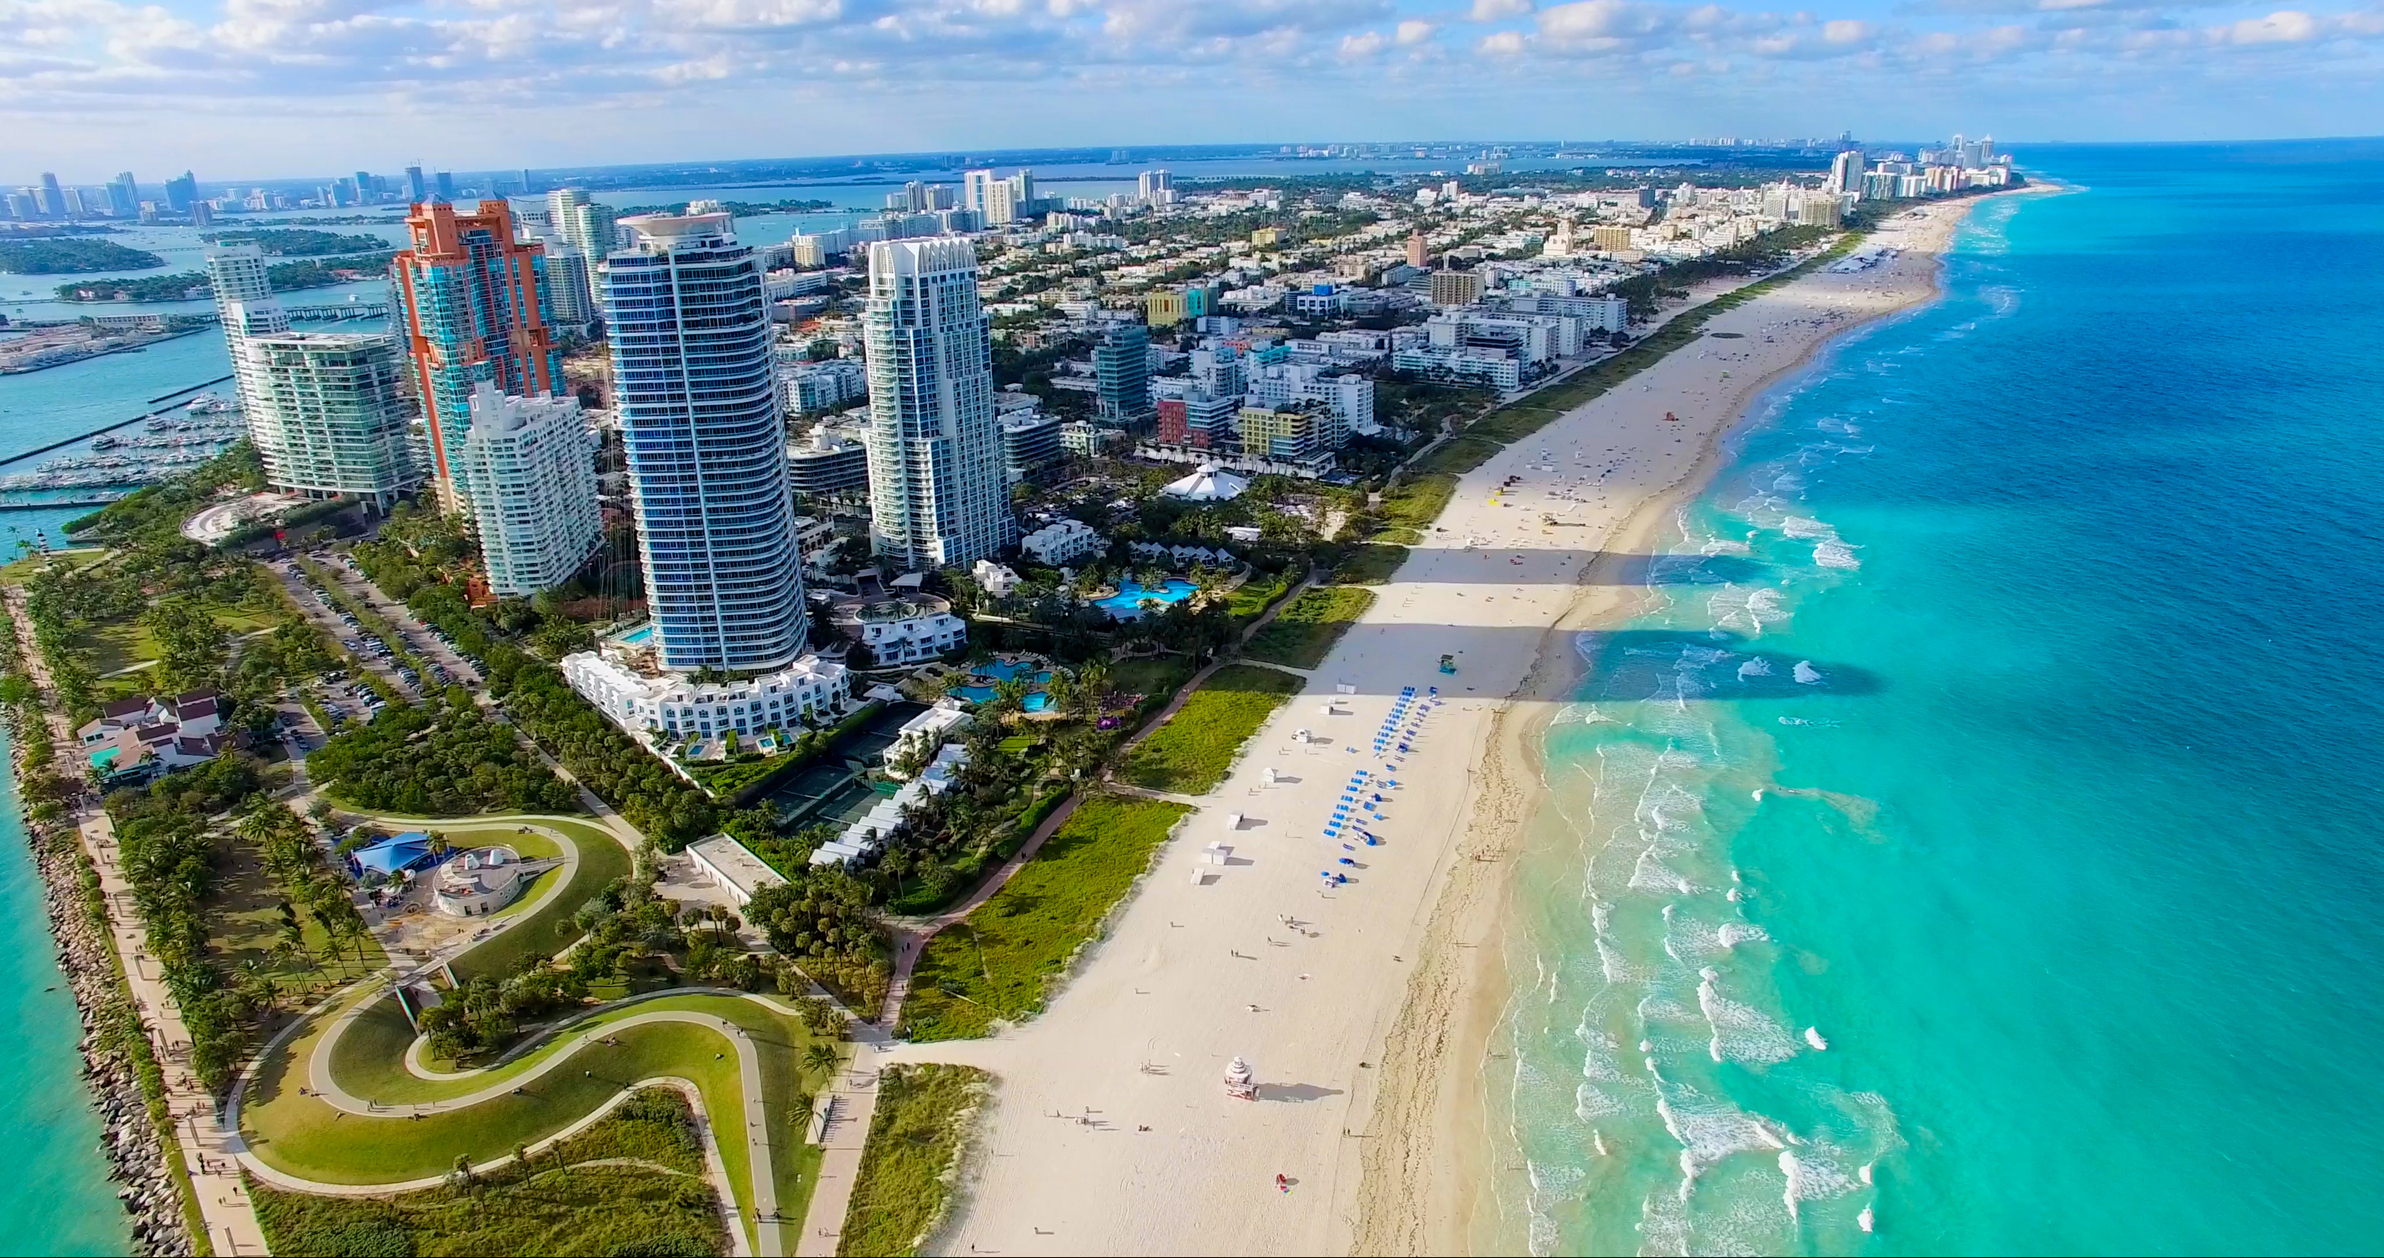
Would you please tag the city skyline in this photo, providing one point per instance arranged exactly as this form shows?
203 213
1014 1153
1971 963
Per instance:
213 82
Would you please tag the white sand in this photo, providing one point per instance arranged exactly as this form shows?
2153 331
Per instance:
1143 1034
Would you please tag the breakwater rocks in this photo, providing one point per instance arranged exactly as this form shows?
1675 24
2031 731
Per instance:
112 1037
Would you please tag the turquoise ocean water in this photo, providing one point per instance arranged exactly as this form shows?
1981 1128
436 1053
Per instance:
2007 713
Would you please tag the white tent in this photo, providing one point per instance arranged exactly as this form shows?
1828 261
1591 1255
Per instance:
1208 483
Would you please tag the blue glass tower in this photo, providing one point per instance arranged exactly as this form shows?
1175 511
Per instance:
697 391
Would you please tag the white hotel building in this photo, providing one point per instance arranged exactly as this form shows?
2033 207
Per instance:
528 470
671 705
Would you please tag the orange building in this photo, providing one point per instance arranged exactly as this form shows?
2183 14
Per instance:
475 307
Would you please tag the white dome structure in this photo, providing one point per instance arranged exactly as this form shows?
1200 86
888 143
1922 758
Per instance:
1209 483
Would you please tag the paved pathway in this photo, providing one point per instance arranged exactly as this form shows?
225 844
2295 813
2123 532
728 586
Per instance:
207 1145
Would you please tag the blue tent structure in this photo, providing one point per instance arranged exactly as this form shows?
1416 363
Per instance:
405 851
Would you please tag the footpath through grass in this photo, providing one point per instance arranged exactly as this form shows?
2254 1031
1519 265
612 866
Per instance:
1190 754
924 1117
1303 633
1001 962
660 1203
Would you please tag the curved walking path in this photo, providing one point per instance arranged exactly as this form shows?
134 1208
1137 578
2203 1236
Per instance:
324 1087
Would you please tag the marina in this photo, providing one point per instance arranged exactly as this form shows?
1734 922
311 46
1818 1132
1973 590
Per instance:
172 443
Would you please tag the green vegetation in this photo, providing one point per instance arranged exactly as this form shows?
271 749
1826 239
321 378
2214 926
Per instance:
72 255
821 921
300 242
1250 601
1301 634
922 1127
1191 753
1369 563
448 760
1002 961
1416 501
746 775
632 1184
284 276
552 925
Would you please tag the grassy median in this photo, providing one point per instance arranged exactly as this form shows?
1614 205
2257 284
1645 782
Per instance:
1000 963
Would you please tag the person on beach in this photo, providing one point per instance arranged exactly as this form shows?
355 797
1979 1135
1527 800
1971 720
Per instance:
1282 1184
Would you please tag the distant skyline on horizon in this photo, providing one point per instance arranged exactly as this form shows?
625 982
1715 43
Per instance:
90 87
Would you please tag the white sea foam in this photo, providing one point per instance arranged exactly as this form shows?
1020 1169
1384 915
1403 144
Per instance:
1741 1033
1835 554
1806 674
1813 1037
1805 527
1732 934
1757 667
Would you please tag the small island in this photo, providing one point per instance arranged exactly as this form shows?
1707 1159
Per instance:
192 285
300 242
72 255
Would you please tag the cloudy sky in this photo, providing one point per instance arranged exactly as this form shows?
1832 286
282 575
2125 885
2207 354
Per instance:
264 88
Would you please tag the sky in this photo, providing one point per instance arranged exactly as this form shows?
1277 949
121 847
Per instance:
293 88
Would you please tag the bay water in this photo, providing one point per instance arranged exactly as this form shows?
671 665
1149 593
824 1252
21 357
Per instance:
1971 845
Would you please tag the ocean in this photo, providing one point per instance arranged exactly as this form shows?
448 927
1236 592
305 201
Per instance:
2004 719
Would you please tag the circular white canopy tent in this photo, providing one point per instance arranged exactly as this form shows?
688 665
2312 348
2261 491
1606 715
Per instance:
1209 483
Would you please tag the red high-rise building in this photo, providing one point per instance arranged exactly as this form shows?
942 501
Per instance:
474 302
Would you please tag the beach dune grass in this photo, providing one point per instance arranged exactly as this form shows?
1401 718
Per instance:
1370 563
1000 963
916 1139
1302 634
1191 753
1415 502
633 1183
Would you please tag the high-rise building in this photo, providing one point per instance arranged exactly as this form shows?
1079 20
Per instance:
1151 185
697 391
74 205
417 191
245 306
364 187
1001 203
50 199
1418 253
20 205
976 191
570 292
474 307
445 181
935 472
527 188
337 403
1846 171
529 472
124 196
182 193
1122 371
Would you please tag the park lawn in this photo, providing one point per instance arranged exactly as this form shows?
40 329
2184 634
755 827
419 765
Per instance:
923 1123
1370 563
22 570
1191 752
1303 633
1001 961
244 924
118 646
558 1205
301 1135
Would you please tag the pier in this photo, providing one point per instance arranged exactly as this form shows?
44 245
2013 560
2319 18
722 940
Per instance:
7 505
126 423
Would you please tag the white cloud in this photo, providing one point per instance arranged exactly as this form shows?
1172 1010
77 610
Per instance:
1361 46
1498 10
2286 26
1503 44
1414 32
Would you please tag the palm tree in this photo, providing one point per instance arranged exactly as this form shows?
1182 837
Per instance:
821 1058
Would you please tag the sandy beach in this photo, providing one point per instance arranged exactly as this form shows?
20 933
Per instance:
1364 1008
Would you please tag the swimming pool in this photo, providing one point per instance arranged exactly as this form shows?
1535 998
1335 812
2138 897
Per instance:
1035 701
1127 603
639 636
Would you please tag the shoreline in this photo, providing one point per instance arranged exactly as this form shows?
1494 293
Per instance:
1454 1004
116 1058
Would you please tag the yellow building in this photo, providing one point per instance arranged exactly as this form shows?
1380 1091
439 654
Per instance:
1292 436
1165 308
1456 288
1612 239
1266 237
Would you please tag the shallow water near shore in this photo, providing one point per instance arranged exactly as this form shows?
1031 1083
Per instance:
1973 839
56 1198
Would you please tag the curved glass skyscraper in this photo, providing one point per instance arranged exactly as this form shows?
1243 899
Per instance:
698 399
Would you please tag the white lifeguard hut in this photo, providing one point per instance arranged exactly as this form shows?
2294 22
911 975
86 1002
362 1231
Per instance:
1240 1083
